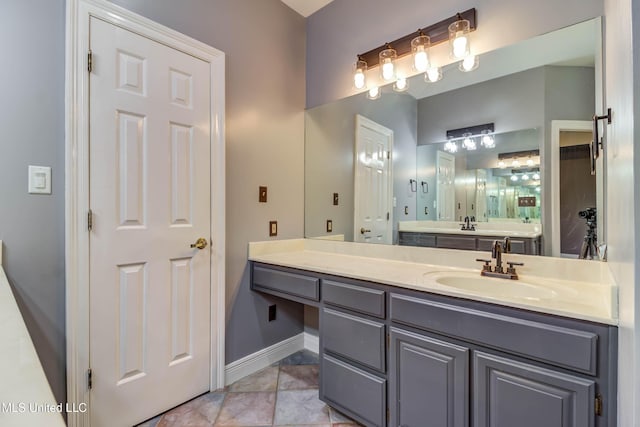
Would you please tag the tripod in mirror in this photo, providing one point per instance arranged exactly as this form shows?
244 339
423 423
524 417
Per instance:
589 249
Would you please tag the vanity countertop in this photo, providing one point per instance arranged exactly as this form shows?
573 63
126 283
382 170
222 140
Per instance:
25 395
573 288
503 229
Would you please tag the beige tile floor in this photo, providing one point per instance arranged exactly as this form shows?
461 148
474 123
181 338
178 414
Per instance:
284 394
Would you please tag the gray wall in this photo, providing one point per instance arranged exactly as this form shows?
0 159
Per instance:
330 137
265 133
32 123
345 28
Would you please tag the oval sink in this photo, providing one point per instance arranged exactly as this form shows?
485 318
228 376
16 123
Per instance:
476 284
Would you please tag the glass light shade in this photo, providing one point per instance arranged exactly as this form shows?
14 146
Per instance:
387 64
469 143
525 177
359 79
515 163
450 146
401 85
459 42
373 93
433 75
530 162
514 178
488 141
420 51
536 176
502 164
469 63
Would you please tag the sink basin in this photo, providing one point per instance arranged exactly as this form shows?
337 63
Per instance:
474 283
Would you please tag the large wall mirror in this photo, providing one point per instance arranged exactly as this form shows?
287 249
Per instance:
376 168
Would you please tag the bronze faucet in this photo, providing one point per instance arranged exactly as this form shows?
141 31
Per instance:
497 248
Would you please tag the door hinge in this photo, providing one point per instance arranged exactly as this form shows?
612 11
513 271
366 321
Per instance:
598 405
90 220
89 379
90 61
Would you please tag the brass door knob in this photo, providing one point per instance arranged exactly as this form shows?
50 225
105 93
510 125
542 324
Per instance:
201 243
364 230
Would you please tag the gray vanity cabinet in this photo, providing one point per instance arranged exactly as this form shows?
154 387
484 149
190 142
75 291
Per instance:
428 381
512 393
470 241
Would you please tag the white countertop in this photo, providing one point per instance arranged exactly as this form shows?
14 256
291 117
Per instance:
26 398
581 289
494 228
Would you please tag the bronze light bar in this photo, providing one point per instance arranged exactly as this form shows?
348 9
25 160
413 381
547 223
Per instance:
438 33
471 130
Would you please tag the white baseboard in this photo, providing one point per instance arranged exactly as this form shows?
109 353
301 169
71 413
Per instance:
311 342
263 358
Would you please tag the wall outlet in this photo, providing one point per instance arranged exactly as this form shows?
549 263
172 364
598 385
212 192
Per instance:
329 226
262 194
273 228
272 312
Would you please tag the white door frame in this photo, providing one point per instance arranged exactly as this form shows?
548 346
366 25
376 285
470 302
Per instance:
558 126
77 186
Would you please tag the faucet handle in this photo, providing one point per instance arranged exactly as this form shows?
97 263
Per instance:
511 269
487 264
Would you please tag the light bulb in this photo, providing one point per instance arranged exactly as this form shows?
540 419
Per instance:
469 63
537 189
514 178
530 162
421 60
502 164
374 93
433 75
387 70
488 142
515 163
525 177
536 176
400 85
358 79
460 45
451 147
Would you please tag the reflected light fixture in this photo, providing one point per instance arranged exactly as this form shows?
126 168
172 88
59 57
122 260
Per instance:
487 140
387 63
530 162
401 84
459 44
536 176
359 70
469 143
469 63
373 93
514 178
525 177
502 164
420 51
450 146
433 75
515 163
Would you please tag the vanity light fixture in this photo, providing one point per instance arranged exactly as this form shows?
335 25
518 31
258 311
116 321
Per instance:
470 136
359 77
420 51
387 63
418 44
517 159
373 93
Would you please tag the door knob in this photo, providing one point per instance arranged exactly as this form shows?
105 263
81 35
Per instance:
364 230
201 243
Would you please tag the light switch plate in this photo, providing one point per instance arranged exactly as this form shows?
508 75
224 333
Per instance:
329 226
39 180
273 228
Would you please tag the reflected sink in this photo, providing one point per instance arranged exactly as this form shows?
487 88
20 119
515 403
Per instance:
474 283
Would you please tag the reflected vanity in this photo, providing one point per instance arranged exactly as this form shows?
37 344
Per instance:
522 90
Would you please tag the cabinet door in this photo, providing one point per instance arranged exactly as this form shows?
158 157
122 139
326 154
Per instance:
428 381
512 393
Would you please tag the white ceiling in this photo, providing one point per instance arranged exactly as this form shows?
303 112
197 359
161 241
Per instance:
306 7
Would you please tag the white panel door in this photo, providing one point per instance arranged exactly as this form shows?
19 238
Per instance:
481 195
446 196
373 182
150 197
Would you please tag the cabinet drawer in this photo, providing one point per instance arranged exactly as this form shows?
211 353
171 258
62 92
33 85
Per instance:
359 339
265 278
453 242
357 393
427 240
358 298
570 348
